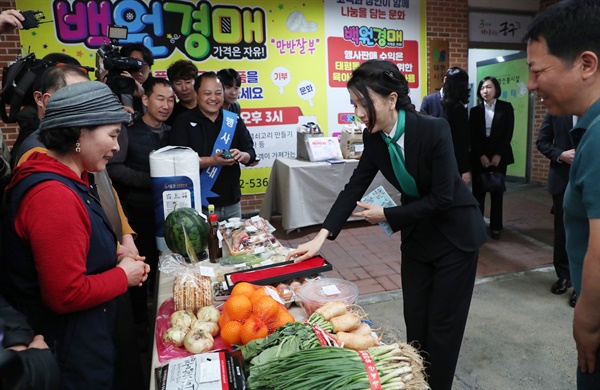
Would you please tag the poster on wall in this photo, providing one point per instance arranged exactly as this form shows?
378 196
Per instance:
293 57
512 74
357 31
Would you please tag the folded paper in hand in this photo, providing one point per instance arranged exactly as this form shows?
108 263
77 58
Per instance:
380 197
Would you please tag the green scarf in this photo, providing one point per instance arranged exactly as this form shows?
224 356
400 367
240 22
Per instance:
404 178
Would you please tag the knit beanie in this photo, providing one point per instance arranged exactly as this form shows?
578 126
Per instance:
88 103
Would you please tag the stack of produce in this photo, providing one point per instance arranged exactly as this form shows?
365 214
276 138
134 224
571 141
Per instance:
251 313
307 351
195 332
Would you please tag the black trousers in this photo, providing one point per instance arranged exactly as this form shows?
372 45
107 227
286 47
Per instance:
560 258
437 296
496 200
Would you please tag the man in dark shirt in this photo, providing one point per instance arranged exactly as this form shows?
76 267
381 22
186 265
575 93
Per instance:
210 131
129 170
182 74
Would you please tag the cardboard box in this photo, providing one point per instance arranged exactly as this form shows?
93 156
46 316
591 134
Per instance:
352 142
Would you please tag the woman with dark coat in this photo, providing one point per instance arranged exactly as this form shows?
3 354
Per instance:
454 110
441 227
491 124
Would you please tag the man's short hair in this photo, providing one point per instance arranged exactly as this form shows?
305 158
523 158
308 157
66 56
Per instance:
569 27
54 78
61 58
182 70
229 78
128 48
205 75
153 81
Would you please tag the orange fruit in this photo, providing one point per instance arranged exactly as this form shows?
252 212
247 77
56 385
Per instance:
243 288
223 319
265 308
259 293
253 328
283 317
230 333
238 307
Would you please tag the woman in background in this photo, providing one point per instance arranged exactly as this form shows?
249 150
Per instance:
442 229
491 125
454 110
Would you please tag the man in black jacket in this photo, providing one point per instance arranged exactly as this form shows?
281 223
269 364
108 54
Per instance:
554 142
25 360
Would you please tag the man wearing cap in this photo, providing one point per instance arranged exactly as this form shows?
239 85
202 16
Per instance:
59 262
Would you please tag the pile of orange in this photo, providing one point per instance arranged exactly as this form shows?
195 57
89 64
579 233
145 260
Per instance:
251 313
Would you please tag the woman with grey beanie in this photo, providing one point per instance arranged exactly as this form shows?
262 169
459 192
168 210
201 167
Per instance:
60 265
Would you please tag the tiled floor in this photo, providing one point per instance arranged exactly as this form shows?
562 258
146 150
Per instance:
363 253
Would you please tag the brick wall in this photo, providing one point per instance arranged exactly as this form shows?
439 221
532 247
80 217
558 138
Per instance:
539 163
449 20
9 48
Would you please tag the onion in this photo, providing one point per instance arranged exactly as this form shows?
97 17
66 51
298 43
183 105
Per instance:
183 318
175 336
198 341
208 313
210 327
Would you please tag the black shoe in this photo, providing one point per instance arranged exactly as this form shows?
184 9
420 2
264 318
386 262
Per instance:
560 286
573 299
495 234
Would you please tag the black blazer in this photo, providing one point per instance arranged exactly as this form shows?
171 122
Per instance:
498 142
432 104
458 118
445 202
552 140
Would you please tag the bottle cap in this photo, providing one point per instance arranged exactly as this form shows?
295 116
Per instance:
211 207
213 218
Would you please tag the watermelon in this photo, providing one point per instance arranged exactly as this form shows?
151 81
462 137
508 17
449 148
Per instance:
186 222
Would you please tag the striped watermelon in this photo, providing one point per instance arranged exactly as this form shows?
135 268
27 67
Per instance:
184 222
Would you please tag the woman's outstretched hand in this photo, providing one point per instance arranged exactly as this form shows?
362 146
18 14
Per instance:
309 249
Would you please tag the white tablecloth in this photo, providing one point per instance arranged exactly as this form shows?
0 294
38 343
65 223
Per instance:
303 192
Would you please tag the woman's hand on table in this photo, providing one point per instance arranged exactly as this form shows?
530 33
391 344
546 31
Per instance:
371 213
135 269
309 249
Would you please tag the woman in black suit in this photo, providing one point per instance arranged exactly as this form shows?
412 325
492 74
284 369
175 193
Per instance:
441 226
454 110
491 124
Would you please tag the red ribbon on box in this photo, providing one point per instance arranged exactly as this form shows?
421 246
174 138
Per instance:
277 270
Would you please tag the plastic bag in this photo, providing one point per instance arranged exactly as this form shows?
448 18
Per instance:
166 351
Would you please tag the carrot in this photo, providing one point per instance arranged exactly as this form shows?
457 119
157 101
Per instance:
332 309
345 322
357 342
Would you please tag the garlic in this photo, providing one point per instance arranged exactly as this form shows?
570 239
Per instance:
175 336
183 318
210 327
208 313
198 341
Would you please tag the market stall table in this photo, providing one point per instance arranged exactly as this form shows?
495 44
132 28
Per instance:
303 191
165 291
